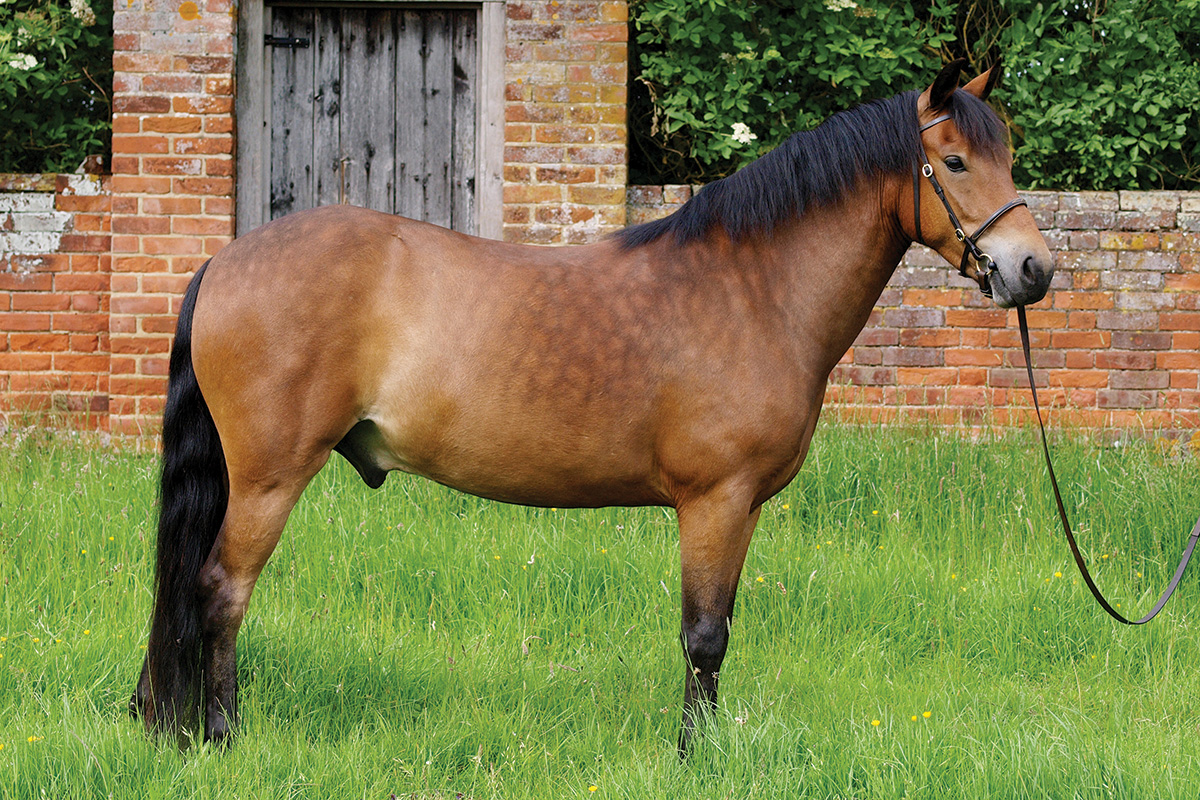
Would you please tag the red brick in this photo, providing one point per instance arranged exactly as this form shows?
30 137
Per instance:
75 362
598 33
140 104
26 281
38 342
172 124
1088 378
25 362
201 105
221 186
139 184
1125 359
24 321
143 224
172 166
171 245
205 64
1177 360
139 304
204 145
139 345
38 301
172 83
80 323
136 386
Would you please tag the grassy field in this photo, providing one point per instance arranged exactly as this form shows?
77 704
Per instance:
909 625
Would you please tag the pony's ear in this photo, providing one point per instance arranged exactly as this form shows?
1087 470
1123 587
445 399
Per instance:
945 83
982 86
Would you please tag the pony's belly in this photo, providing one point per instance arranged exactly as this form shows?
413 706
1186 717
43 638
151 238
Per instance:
550 471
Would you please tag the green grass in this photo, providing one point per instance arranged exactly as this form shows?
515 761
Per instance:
424 643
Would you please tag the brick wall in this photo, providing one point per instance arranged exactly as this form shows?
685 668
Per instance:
1117 339
564 153
54 284
172 182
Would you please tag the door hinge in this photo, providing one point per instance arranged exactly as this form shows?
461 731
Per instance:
285 41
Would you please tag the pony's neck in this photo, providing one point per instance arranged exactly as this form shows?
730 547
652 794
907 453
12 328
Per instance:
834 262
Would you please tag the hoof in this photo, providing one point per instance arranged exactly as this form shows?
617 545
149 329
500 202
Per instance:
218 733
137 705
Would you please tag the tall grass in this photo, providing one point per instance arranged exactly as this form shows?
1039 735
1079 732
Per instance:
909 625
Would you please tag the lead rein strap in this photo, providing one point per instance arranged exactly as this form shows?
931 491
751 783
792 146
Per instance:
1062 511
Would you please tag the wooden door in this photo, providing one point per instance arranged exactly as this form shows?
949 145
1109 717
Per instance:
378 110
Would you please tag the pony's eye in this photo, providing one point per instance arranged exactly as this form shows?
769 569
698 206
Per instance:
955 164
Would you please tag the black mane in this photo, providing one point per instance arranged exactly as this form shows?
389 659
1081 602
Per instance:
817 167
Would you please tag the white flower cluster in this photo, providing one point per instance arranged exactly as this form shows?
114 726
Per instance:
23 61
840 5
742 134
83 12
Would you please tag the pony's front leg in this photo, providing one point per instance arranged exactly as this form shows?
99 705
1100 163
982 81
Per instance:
714 533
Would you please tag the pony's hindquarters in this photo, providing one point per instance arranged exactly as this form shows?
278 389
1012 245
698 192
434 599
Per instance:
191 508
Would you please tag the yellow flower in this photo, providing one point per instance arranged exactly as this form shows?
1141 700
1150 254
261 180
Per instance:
603 550
110 538
875 722
760 578
1058 574
496 557
36 640
84 552
914 717
33 739
592 788
786 506
926 714
953 576
87 631
875 513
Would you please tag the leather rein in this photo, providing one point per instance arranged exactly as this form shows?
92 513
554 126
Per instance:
985 267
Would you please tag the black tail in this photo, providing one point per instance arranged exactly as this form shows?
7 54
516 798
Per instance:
191 508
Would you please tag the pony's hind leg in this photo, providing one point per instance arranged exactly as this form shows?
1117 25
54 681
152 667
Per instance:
714 534
253 524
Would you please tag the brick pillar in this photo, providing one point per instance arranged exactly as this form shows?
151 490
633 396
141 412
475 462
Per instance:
565 140
172 183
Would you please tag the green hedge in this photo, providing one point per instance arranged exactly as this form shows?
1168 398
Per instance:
1099 95
55 83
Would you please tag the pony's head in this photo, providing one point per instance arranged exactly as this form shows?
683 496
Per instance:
964 203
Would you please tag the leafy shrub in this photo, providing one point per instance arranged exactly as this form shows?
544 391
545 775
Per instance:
1104 96
1100 95
55 83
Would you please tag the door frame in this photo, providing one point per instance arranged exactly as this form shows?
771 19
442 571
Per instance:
252 132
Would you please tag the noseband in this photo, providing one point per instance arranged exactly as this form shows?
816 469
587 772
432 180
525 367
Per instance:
985 265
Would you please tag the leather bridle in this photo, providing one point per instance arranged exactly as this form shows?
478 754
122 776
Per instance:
985 265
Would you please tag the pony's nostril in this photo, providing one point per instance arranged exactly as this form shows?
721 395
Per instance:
1031 270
